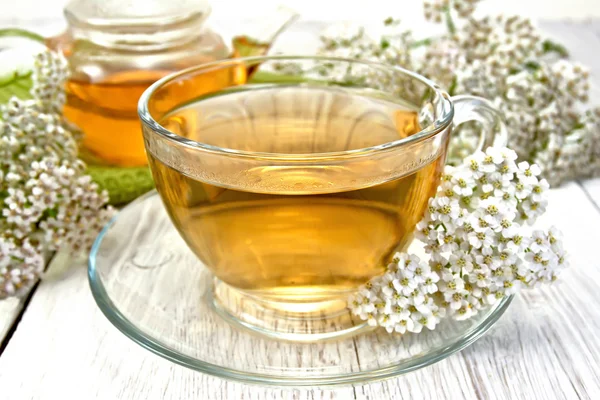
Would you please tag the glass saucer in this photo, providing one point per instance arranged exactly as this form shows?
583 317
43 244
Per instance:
154 290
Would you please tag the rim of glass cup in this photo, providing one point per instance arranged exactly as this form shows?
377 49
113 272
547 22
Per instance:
439 124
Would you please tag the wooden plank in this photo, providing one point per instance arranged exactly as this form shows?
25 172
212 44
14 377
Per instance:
592 188
10 309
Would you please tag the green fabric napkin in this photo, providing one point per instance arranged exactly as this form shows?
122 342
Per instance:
123 184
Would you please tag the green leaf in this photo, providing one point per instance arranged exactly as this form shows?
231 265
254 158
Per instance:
548 46
452 88
449 21
532 66
15 84
50 213
390 21
422 42
384 43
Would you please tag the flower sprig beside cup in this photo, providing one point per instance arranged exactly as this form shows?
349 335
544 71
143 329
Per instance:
477 234
47 201
503 58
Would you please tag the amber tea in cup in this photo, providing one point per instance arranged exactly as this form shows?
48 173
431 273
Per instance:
295 192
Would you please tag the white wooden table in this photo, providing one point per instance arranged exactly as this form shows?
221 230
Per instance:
56 344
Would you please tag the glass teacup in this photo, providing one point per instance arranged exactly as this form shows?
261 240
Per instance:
295 179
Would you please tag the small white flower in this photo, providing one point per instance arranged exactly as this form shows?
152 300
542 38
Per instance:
362 303
481 221
506 196
508 257
464 312
429 285
494 182
483 239
420 320
512 286
463 183
418 272
480 276
499 155
541 261
538 191
522 190
387 284
452 284
386 321
491 261
397 311
425 232
399 300
460 261
488 165
555 239
539 242
403 325
404 285
493 208
404 261
370 318
458 221
417 326
528 174
417 296
531 210
475 164
516 243
437 262
445 209
447 242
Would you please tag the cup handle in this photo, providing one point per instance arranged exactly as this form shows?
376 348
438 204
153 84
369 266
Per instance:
472 108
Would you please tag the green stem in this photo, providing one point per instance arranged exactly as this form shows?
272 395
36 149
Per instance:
22 33
449 22
452 88
421 43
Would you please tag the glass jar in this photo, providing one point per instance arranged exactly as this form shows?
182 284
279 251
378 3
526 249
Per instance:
116 49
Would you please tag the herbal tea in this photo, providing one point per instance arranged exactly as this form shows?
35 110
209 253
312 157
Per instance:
314 240
108 109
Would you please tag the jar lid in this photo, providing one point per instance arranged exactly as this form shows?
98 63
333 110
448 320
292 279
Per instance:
136 22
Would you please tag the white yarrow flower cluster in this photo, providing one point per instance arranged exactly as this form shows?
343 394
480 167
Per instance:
504 59
475 231
46 200
401 299
435 9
